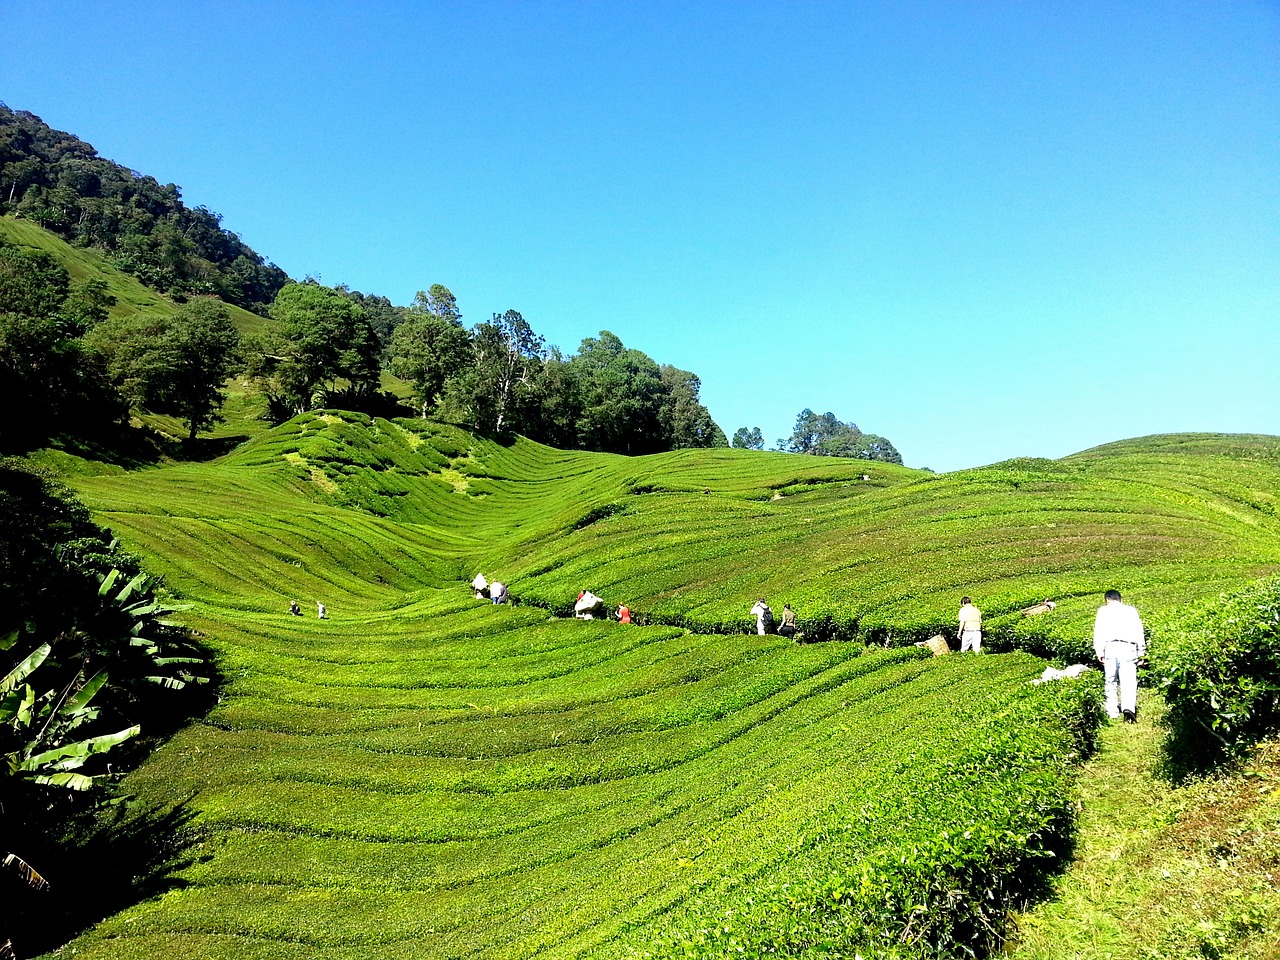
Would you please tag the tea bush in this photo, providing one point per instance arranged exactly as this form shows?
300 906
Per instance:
1219 666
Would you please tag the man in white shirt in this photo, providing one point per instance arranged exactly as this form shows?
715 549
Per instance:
764 616
1119 642
970 630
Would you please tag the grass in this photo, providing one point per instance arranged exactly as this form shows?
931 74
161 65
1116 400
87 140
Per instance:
1165 871
426 775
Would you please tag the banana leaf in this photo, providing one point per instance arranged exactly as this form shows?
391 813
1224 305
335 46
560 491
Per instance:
85 694
24 669
26 872
72 755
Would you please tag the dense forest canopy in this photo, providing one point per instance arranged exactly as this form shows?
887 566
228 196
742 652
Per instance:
60 182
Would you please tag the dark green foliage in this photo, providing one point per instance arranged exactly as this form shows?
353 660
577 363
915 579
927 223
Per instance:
622 397
493 390
685 423
176 364
50 386
60 182
428 348
325 348
824 436
383 315
91 662
748 439
65 582
1219 666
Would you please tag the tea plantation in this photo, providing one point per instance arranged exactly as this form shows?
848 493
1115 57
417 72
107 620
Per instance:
424 774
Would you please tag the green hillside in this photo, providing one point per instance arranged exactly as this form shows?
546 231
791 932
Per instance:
424 774
132 297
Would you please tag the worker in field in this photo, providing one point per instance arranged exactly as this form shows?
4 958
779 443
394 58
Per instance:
764 617
787 626
970 629
588 606
624 613
1119 642
498 592
321 611
481 586
294 608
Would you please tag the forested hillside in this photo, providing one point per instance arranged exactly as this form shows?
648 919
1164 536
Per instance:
169 352
58 181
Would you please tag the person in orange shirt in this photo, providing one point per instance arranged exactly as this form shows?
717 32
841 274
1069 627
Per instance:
624 614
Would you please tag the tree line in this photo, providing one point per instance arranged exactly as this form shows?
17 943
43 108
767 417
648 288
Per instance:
497 376
822 435
77 371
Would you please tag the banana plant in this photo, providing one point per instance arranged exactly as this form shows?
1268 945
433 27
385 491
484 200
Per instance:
138 602
38 731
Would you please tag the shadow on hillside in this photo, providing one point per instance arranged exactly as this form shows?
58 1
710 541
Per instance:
206 448
122 446
126 859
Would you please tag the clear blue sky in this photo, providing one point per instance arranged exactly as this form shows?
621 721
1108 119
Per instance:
983 230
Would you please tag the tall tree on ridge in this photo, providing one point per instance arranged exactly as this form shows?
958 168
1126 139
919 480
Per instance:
174 365
495 391
326 346
430 345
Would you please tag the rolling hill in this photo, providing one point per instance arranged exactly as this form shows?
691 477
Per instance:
423 774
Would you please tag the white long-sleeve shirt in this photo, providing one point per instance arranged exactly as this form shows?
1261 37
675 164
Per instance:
1118 621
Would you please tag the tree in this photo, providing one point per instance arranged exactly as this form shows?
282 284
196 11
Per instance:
748 439
49 384
495 392
622 397
557 393
326 347
382 313
430 345
177 364
824 436
686 423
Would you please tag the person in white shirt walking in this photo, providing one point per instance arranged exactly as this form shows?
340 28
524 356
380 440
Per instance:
970 631
1119 642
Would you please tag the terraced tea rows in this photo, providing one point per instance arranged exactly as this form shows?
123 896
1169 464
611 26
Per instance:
424 774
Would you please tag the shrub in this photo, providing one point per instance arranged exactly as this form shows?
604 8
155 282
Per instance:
1219 666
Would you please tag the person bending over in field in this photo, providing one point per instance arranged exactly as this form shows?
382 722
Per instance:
588 606
294 608
624 613
498 592
787 627
970 631
481 586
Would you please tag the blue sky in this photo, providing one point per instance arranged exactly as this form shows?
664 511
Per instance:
982 230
